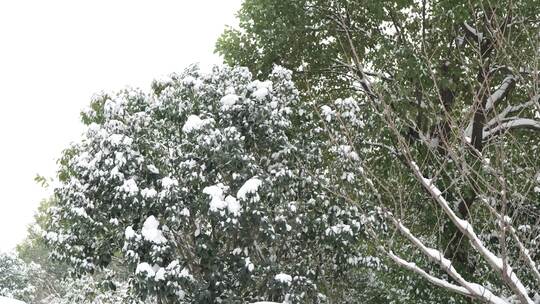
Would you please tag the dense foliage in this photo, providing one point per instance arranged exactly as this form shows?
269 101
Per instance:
367 152
201 186
16 278
449 85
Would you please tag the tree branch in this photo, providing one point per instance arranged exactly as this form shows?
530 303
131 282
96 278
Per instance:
517 123
466 229
511 109
473 289
432 279
500 93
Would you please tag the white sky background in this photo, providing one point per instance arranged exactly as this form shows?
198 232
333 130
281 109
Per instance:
55 54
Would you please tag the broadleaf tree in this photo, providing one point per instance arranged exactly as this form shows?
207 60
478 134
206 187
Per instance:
197 185
16 280
450 92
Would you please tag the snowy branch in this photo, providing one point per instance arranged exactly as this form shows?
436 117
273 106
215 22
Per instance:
466 228
501 122
432 279
524 251
511 109
495 97
471 31
517 123
500 93
472 289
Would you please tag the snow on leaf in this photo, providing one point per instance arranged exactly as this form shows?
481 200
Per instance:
145 268
260 93
283 278
148 193
130 187
327 113
233 205
118 139
228 101
185 212
250 267
129 233
160 274
153 169
51 236
261 89
194 123
150 231
168 182
216 194
219 201
250 186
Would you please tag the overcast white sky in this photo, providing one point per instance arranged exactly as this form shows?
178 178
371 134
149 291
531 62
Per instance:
55 54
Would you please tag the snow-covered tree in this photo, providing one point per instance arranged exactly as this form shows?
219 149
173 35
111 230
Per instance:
16 277
222 188
204 186
449 98
463 194
93 289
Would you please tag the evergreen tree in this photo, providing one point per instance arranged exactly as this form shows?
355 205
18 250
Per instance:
199 186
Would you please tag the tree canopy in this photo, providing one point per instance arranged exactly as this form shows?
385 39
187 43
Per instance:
452 87
365 153
198 185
